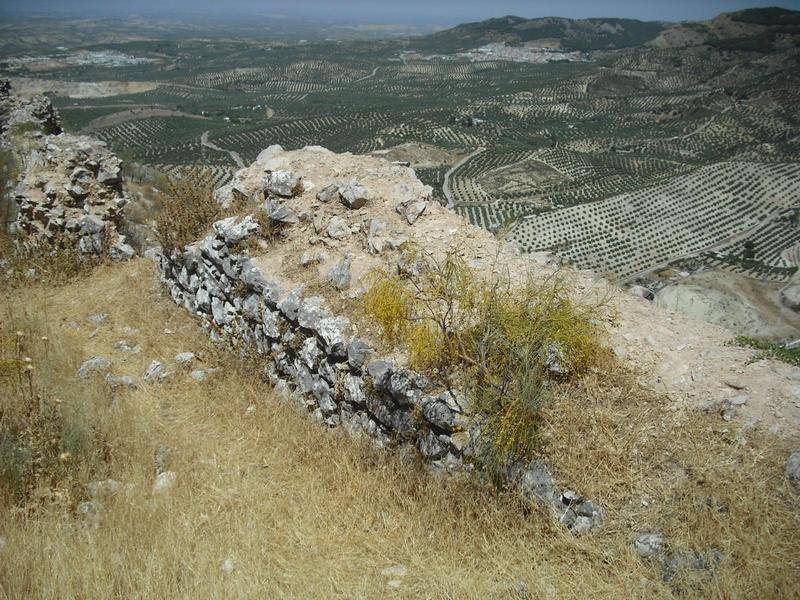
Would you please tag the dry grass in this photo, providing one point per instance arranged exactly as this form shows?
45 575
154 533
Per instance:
308 513
40 261
188 209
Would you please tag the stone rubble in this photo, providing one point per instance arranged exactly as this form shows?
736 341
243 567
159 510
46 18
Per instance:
95 364
73 187
70 190
164 481
36 112
354 195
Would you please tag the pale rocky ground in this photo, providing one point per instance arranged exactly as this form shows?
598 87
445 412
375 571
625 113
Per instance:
744 305
420 155
691 362
29 86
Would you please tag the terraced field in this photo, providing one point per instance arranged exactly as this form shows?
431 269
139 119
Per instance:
610 161
719 207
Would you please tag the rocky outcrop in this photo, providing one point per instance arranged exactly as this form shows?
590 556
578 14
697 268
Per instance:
741 304
314 357
72 190
34 114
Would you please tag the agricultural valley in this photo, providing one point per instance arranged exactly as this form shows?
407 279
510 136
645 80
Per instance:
292 308
538 143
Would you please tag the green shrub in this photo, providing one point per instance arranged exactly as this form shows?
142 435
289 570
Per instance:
494 339
386 301
768 350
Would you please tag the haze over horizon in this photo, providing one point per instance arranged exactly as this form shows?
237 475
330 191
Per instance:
446 12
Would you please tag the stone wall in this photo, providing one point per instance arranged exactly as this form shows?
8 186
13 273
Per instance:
312 356
36 112
71 188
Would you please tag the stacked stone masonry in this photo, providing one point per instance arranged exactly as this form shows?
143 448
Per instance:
72 188
311 355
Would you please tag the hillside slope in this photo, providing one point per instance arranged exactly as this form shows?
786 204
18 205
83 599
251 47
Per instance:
571 34
759 29
139 458
754 30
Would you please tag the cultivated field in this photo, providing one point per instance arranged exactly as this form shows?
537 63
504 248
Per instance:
508 144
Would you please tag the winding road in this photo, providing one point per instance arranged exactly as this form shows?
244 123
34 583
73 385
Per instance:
370 76
446 183
234 155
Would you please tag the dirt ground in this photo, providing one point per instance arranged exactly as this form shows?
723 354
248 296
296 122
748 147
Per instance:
421 156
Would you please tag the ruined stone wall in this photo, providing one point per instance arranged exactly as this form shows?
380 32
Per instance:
71 188
312 356
36 112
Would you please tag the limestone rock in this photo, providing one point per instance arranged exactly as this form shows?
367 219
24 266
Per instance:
97 319
357 352
412 211
339 276
354 195
95 364
332 331
280 213
328 193
641 292
793 467
537 483
338 228
124 381
380 371
438 414
202 374
233 231
154 370
164 481
375 240
649 545
554 361
109 175
310 257
228 566
121 251
184 358
283 183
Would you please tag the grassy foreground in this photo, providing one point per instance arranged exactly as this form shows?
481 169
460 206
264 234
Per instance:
307 513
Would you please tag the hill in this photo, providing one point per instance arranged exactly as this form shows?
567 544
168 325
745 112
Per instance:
753 30
571 34
757 29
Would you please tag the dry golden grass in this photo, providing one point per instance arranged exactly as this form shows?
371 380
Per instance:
308 513
187 210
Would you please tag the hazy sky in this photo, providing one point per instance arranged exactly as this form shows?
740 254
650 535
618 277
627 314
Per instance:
440 11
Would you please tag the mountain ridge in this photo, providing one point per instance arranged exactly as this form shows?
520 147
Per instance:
756 29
